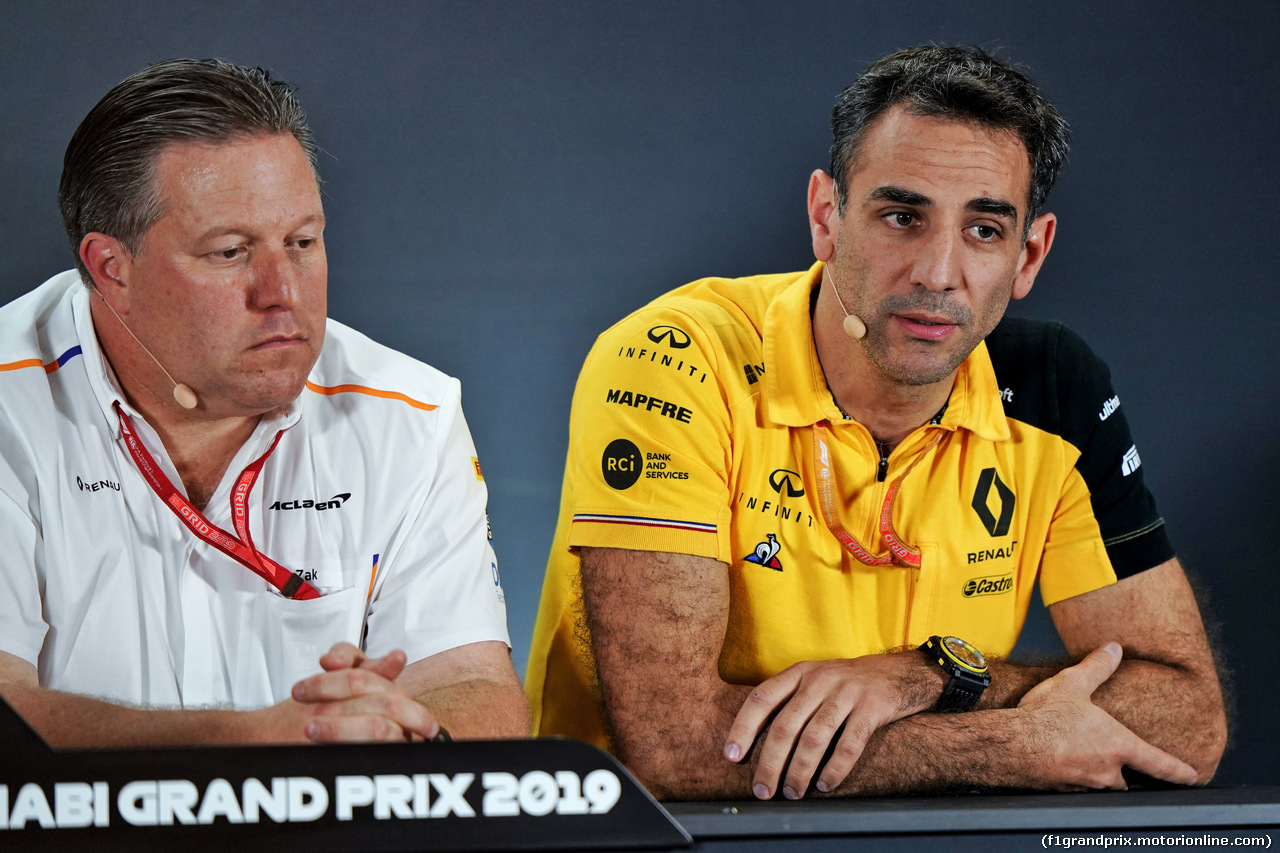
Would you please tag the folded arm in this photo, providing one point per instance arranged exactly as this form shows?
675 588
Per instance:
658 622
1160 711
472 690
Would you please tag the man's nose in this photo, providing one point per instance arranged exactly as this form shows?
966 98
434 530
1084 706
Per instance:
938 266
276 279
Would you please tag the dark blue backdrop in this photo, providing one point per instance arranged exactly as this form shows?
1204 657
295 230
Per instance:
504 180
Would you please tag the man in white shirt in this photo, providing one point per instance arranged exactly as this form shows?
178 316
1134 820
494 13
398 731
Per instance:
229 520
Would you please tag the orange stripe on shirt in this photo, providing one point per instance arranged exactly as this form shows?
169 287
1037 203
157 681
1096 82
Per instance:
30 362
330 390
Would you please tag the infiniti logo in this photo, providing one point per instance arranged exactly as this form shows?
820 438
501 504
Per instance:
676 338
783 478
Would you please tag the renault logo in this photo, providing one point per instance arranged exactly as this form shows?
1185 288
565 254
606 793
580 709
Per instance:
784 478
676 338
982 502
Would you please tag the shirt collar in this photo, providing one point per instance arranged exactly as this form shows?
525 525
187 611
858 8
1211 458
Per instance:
795 388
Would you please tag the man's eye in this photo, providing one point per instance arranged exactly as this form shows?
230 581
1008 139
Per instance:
901 220
228 254
986 232
305 242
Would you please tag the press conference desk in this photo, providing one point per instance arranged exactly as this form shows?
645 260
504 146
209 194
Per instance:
987 823
527 795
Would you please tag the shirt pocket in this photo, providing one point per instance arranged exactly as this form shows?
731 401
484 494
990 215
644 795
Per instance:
328 575
281 639
922 595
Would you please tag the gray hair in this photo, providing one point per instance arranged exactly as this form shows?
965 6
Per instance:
109 171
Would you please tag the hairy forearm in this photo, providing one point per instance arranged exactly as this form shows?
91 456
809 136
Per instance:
1172 708
929 752
1178 709
679 750
480 708
69 721
674 742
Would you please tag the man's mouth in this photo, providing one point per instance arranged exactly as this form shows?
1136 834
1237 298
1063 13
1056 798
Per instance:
279 340
925 327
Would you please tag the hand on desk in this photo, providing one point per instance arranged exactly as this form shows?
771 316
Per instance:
357 698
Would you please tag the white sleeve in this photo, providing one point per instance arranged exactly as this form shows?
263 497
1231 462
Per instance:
439 587
22 625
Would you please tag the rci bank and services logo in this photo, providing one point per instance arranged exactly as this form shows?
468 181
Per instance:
621 464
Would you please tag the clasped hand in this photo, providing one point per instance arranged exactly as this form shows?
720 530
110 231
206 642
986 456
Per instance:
358 698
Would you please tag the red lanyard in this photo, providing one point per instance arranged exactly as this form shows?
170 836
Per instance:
238 548
900 553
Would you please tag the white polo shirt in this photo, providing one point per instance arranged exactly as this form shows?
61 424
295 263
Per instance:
373 494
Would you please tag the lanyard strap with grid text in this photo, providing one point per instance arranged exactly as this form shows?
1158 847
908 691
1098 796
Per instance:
239 548
900 553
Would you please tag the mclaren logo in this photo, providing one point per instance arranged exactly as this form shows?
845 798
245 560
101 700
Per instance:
333 503
675 338
989 480
789 480
988 585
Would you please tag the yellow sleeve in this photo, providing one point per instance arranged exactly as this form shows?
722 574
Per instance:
1075 559
649 440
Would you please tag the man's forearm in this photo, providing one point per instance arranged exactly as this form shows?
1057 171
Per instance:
1179 710
1168 707
480 708
69 721
675 744
680 755
683 758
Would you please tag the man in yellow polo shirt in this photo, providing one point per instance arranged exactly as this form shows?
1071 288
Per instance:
780 488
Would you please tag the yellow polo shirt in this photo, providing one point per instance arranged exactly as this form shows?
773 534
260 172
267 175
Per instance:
692 432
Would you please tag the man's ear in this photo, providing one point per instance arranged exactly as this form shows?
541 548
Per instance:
824 217
109 264
1034 251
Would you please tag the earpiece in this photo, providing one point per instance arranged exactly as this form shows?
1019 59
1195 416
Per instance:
182 393
852 325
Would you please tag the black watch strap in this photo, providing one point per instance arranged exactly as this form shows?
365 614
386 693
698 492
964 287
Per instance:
968 679
962 692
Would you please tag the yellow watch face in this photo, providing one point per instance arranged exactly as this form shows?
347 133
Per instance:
964 654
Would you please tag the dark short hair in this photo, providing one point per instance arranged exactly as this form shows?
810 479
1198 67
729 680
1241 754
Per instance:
962 83
108 173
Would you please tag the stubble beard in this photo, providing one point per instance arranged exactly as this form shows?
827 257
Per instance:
923 367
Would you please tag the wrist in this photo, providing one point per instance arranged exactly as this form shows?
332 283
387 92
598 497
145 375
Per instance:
272 724
965 670
921 682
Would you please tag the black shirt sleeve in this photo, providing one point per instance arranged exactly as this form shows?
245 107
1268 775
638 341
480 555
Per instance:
1067 391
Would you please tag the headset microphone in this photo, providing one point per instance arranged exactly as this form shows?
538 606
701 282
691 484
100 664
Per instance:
852 325
182 393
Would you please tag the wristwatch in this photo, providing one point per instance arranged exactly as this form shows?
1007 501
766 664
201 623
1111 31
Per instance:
968 670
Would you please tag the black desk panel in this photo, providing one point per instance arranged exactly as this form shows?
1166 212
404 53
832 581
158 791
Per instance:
1199 819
